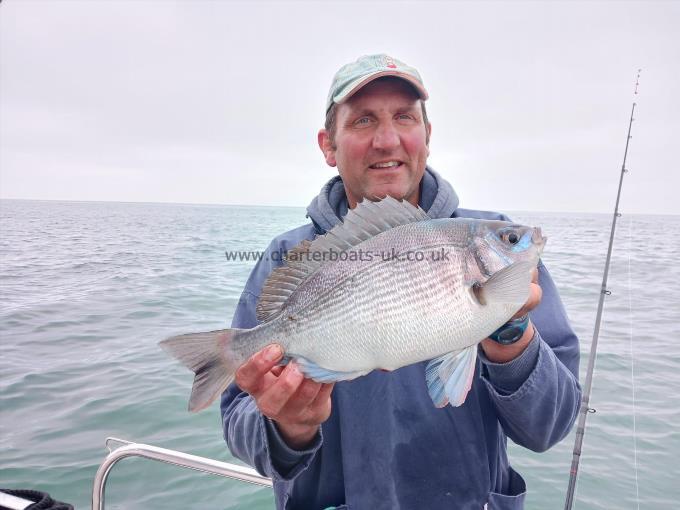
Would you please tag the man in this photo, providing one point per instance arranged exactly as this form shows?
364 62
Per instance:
378 441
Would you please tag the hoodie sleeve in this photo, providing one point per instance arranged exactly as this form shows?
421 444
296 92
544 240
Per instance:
251 436
537 395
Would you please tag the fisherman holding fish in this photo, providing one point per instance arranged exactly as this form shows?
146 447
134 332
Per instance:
391 382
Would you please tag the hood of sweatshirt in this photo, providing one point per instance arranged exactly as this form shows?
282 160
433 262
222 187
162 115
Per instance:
327 209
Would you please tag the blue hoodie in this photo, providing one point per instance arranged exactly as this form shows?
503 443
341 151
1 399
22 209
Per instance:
385 445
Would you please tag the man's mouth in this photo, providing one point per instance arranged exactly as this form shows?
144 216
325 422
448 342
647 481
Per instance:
386 165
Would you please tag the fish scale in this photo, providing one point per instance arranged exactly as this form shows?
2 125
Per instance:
373 297
341 318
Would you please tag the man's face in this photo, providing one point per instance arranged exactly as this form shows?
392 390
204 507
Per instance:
380 142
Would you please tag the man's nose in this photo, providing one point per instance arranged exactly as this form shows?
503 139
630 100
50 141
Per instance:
385 137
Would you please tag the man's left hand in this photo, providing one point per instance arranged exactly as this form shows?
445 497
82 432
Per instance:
498 353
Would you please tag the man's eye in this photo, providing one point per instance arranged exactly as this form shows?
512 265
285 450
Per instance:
362 121
405 116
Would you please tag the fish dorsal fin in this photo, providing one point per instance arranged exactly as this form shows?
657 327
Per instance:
298 258
283 281
366 220
369 219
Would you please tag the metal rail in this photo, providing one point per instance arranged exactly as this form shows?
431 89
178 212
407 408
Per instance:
173 457
14 502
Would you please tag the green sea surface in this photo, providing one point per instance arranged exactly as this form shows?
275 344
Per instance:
87 289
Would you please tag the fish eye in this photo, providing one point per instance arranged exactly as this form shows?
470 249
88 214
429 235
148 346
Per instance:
510 237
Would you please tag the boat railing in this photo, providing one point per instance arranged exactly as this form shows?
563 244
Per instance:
185 460
14 502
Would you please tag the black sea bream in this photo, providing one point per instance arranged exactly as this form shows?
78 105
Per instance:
387 288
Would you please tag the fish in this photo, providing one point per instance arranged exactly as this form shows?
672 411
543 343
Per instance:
386 288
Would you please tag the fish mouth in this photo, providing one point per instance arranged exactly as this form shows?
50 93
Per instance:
538 239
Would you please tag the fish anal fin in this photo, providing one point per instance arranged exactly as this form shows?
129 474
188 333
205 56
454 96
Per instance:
449 377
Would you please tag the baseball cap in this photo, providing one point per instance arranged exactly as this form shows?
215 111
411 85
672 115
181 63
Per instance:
351 77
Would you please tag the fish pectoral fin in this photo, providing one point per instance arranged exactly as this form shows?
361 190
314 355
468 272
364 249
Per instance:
323 375
449 377
509 285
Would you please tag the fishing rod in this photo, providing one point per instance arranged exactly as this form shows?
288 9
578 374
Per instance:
604 292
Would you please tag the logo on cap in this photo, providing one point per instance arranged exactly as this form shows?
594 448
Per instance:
389 62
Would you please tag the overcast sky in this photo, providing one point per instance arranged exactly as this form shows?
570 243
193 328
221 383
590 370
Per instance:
220 102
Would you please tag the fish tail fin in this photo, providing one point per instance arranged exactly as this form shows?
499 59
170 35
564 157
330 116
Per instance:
211 357
509 285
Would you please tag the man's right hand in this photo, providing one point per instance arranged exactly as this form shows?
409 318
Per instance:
297 405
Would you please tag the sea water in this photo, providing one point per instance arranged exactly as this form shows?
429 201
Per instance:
87 289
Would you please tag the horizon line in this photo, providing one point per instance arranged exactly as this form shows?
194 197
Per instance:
288 206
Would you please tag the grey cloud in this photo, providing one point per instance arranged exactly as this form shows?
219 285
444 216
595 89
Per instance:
221 101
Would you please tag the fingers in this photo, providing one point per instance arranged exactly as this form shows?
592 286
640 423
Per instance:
535 295
255 374
303 398
315 412
324 396
273 399
294 399
278 369
282 393
320 408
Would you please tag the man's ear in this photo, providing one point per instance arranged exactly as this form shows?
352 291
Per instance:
326 147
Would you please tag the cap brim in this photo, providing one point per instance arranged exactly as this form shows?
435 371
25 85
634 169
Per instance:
358 84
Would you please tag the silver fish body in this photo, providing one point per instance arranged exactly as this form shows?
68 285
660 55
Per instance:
384 295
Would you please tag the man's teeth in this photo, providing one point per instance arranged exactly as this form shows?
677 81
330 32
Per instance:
386 165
